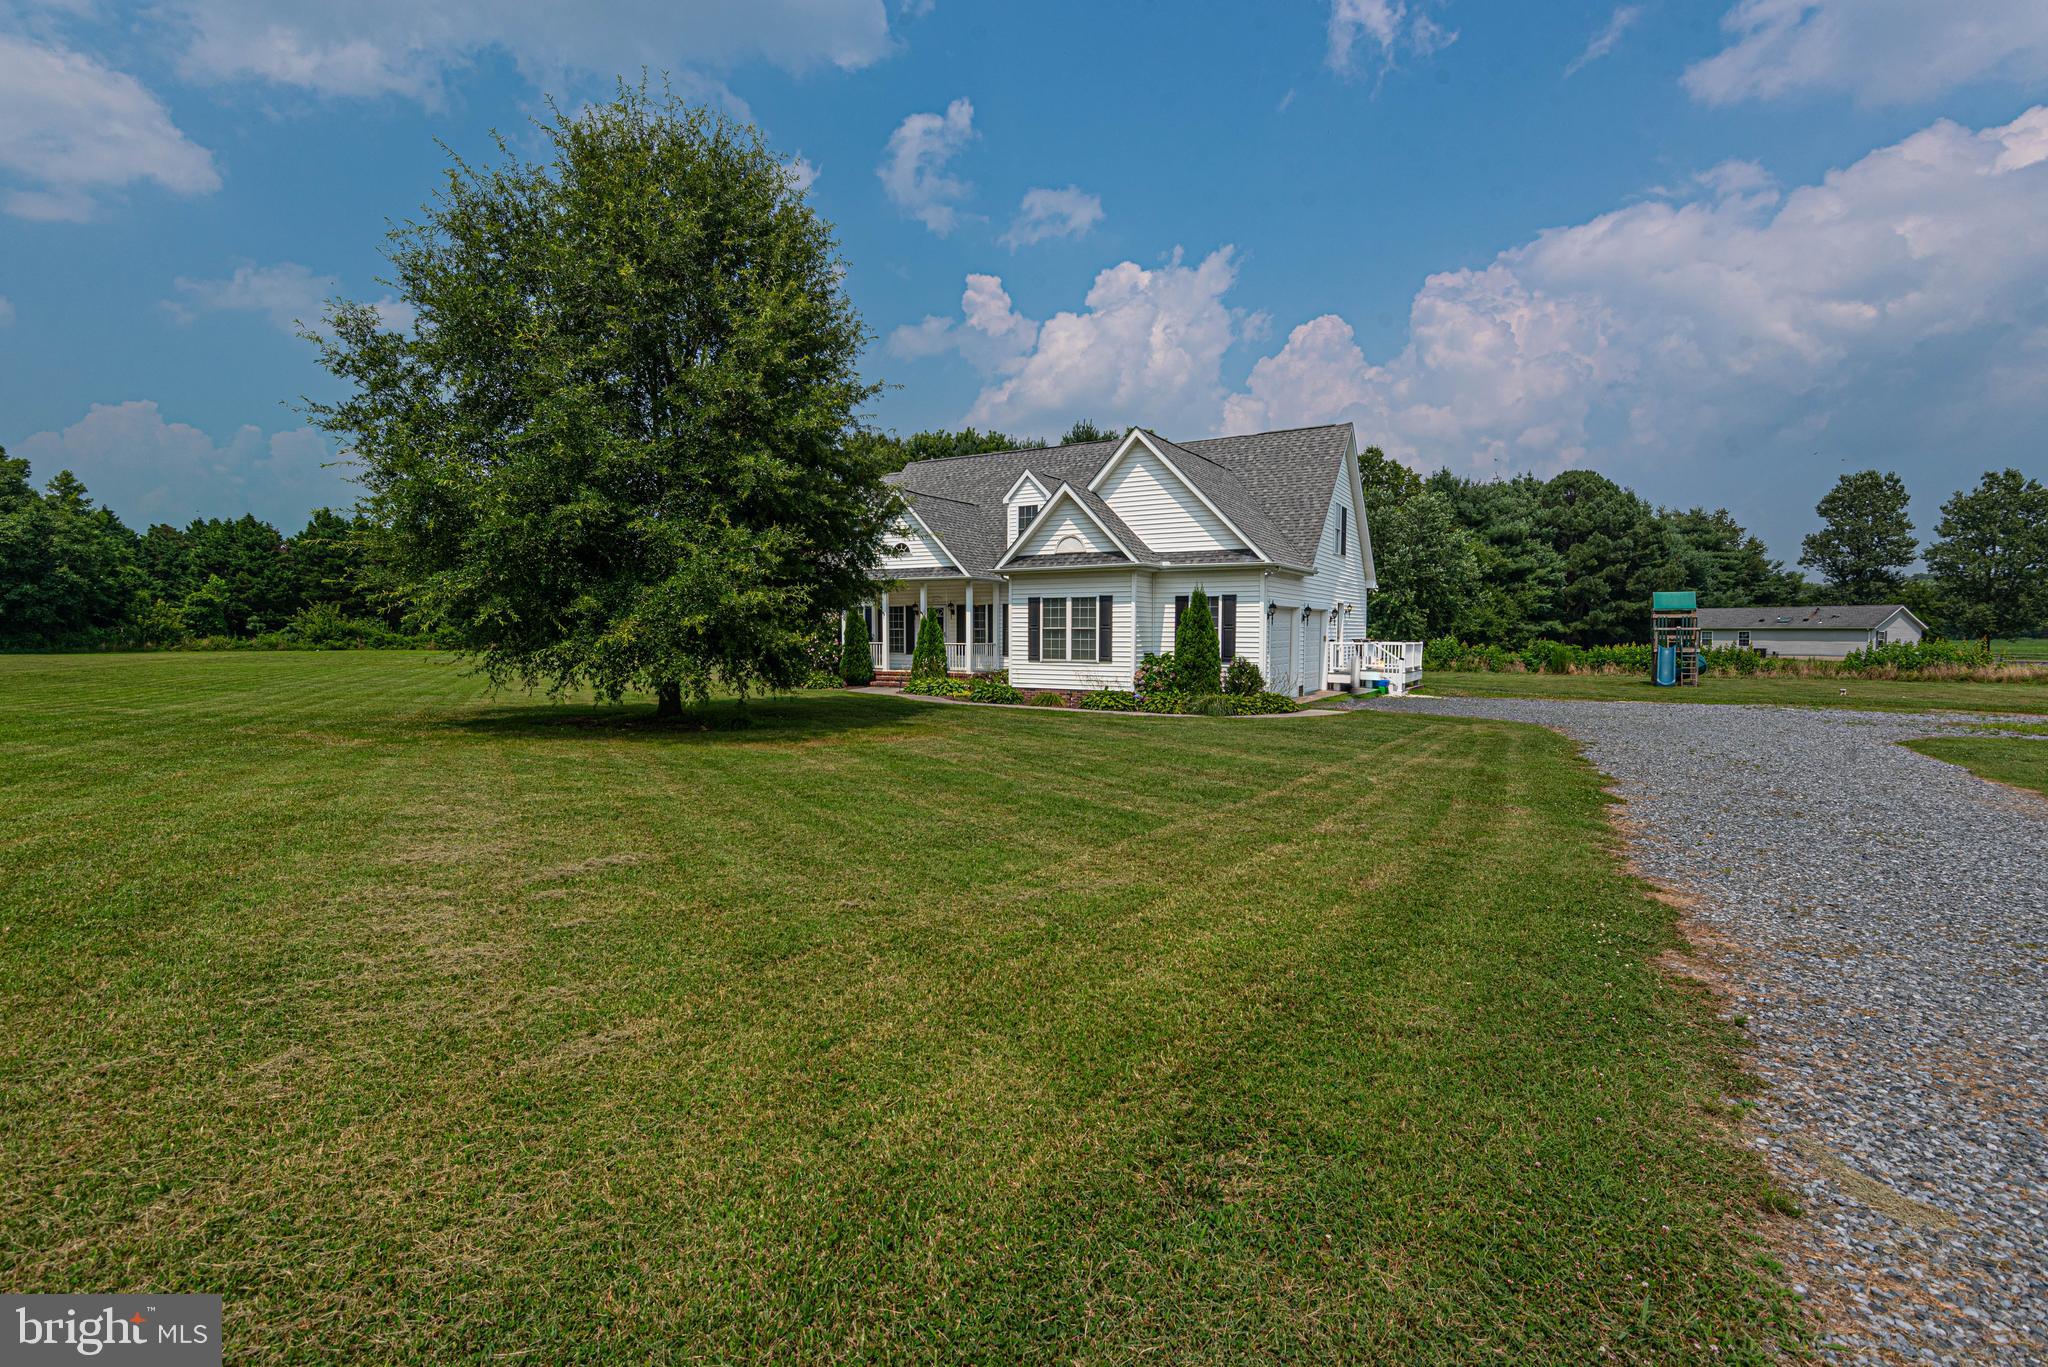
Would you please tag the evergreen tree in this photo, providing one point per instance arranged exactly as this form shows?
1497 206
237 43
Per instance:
928 655
1197 653
856 656
620 448
1084 430
1866 538
1606 539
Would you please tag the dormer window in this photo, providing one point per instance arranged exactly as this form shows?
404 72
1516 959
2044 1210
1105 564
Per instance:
1025 512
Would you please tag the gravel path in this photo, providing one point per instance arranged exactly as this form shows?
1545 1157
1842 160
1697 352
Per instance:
1886 923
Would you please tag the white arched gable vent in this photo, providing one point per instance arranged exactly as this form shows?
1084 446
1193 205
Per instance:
1069 545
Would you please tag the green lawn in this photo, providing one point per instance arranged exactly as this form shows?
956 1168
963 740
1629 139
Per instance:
2021 763
2022 647
1877 695
432 1028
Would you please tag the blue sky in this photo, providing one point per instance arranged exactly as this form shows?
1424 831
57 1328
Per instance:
1720 251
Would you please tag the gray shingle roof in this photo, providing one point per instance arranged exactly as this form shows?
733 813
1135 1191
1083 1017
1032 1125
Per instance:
1066 560
1850 617
1275 486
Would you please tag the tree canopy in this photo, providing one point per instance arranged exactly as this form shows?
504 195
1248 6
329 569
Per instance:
620 446
1990 558
1865 541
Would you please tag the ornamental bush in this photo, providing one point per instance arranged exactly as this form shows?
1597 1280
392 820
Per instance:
1046 700
928 657
1155 674
856 658
937 686
1110 700
1197 656
1261 704
993 688
1242 677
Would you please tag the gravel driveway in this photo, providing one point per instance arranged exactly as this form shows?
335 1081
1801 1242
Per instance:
1886 923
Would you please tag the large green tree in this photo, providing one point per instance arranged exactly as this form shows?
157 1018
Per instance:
1866 538
618 446
1990 557
67 567
1426 567
1607 539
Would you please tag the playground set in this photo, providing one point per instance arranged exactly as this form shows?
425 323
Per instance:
1675 634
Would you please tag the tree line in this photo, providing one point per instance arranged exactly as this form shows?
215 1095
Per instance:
72 574
1575 558
1501 562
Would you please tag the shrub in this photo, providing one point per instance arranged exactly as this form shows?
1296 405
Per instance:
324 626
928 656
937 686
1197 656
1210 705
993 688
1110 700
1241 677
856 657
1262 704
1155 674
1045 700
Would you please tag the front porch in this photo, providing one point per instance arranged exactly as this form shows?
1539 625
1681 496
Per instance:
972 612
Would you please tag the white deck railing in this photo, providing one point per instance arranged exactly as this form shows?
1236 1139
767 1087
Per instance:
982 659
1398 662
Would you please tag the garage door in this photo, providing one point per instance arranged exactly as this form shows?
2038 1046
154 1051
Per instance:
1280 651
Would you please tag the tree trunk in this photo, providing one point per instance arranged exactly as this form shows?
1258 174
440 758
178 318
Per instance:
668 699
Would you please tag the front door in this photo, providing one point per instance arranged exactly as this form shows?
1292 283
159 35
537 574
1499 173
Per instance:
1280 651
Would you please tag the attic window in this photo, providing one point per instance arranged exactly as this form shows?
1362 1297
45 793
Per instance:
1025 512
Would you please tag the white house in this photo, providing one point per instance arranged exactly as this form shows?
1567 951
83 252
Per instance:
1826 633
1066 565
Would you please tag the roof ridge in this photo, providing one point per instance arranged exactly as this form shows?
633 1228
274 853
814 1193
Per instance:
1006 451
1269 432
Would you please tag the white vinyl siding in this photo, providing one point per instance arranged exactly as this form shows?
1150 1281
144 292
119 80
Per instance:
1023 505
1251 613
919 552
1074 675
1340 579
1065 523
1164 512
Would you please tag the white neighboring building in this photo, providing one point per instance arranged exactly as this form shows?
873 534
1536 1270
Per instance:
1066 565
1820 633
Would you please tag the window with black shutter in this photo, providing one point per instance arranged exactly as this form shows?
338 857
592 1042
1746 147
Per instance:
1343 527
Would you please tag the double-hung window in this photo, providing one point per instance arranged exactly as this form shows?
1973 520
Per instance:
984 621
1025 512
1883 636
1081 628
1052 629
1742 640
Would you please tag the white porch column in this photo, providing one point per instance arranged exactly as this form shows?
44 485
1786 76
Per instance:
882 633
921 610
967 655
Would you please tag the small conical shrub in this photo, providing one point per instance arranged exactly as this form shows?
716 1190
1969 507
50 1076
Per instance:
928 659
856 660
1197 656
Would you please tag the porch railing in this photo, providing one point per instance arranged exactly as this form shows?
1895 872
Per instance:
1400 662
960 658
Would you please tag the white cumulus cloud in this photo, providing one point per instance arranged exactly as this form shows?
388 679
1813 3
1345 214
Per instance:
1877 51
1389 27
72 129
913 171
1147 346
405 48
1053 213
149 470
1892 313
802 174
